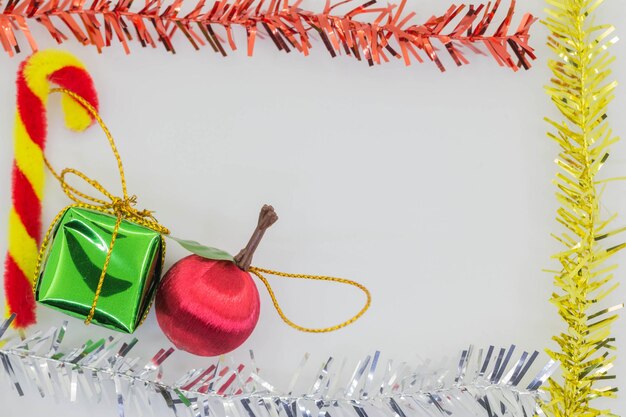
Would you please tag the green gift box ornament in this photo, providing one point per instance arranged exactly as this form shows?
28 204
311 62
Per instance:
71 274
101 258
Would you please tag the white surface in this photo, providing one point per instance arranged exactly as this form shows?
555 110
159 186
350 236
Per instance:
434 190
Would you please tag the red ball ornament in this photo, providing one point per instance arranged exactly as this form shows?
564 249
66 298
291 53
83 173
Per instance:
210 307
207 307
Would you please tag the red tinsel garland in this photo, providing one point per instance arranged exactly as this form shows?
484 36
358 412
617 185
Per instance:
387 33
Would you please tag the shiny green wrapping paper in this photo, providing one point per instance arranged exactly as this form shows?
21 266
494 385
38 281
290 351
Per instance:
73 265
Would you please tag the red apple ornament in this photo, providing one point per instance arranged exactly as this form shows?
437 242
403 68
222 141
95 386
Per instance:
210 307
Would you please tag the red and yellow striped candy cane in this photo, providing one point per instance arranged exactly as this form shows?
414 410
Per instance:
33 84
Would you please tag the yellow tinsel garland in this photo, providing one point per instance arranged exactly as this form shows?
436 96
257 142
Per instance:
581 90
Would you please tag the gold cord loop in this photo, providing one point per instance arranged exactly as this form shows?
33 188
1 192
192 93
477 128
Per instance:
120 207
259 271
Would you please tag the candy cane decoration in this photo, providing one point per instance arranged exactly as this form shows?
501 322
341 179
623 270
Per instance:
33 85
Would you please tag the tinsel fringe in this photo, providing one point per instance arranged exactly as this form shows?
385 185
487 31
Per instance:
581 89
486 383
386 33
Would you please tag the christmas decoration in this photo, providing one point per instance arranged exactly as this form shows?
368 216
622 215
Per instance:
217 316
33 83
100 259
223 308
581 90
78 249
365 32
485 382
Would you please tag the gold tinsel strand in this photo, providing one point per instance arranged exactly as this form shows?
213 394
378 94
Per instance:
582 90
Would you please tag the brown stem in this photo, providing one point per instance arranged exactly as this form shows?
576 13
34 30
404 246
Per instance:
267 217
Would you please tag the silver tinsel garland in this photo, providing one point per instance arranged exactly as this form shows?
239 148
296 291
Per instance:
487 383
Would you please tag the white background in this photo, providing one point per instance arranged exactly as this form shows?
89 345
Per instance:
432 189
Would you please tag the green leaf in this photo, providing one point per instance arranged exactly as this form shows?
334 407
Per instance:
204 251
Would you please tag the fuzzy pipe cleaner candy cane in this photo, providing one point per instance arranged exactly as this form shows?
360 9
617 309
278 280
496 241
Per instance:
33 85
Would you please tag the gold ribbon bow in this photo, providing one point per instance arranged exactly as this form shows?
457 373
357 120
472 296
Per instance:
124 208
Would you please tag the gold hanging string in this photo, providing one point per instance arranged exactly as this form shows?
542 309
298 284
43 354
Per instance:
124 205
120 207
259 271
243 260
